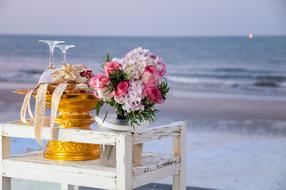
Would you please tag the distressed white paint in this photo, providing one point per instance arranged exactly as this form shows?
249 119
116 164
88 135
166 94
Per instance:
71 174
91 167
124 161
154 161
155 175
74 135
179 143
157 132
57 174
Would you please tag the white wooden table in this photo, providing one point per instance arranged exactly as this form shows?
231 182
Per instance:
72 174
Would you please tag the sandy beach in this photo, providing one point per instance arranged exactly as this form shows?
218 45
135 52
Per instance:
232 143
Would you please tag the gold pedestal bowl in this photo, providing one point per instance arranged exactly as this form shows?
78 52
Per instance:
74 112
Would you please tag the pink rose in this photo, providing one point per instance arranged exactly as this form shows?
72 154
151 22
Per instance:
154 94
150 76
111 67
93 81
162 69
99 81
122 88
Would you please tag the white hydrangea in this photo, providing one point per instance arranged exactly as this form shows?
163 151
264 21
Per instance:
135 62
132 100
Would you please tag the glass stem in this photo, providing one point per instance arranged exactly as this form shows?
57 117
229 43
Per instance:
64 56
51 64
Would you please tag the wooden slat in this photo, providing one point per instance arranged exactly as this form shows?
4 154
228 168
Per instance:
81 173
155 133
155 161
72 135
40 172
150 162
155 175
90 167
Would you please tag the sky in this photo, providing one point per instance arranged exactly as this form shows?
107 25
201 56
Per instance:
143 17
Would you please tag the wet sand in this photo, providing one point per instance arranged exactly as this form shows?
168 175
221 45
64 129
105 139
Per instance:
200 107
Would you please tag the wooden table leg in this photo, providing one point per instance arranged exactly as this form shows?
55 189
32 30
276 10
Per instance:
179 143
124 161
69 187
5 182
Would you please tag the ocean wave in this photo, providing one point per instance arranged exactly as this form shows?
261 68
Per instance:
263 81
21 76
32 71
227 95
235 70
271 78
200 80
270 81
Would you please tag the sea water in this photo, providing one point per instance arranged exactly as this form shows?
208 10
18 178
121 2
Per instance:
235 65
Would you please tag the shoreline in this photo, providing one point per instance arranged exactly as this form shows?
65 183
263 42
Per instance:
243 116
179 93
199 106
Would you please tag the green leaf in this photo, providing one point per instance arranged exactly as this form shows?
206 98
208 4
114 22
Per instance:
107 58
98 106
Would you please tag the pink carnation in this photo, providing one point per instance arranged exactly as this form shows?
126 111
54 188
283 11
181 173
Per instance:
111 67
99 81
150 76
154 94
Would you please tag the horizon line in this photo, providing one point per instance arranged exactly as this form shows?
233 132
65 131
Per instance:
143 36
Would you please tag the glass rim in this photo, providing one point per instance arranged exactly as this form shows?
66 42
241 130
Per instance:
51 41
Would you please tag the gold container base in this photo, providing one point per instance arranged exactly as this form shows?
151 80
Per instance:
74 112
61 150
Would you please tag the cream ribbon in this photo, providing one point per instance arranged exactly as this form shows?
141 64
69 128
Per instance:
26 105
56 98
40 111
40 108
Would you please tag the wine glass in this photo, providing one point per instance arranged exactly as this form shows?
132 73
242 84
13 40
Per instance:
46 75
64 49
52 45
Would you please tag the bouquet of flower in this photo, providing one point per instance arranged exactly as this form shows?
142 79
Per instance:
76 76
132 85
